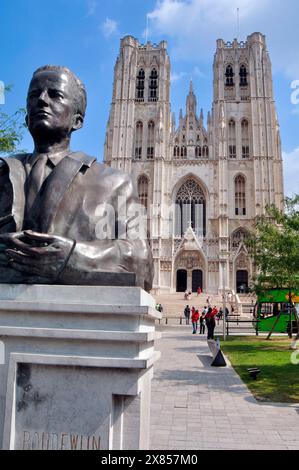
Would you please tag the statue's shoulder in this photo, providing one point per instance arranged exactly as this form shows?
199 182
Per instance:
16 156
13 167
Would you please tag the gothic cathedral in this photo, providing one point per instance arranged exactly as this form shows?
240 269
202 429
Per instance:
203 187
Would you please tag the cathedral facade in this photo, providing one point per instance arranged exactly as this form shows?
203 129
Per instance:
203 186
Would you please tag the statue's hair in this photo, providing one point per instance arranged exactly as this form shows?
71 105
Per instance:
80 97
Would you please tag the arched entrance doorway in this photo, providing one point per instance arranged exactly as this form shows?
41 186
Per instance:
189 271
181 280
242 281
196 279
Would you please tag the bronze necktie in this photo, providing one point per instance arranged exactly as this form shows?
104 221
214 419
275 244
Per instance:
36 179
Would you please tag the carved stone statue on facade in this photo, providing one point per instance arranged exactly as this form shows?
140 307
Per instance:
51 200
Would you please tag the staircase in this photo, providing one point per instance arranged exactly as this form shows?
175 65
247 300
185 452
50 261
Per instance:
247 305
174 304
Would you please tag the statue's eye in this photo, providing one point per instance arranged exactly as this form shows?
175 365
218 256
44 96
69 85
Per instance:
34 93
55 93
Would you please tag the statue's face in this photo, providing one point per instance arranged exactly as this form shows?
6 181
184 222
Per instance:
50 104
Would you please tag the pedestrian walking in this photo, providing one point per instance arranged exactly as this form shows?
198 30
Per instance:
198 291
187 314
195 318
226 312
220 315
210 322
202 323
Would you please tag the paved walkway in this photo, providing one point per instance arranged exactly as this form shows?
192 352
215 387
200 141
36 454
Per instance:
195 406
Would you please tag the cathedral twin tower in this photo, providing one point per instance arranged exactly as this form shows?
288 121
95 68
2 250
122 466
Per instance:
203 187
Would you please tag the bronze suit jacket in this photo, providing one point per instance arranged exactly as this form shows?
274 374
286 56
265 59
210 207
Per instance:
71 202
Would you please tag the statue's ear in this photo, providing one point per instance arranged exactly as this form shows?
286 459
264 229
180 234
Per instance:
77 122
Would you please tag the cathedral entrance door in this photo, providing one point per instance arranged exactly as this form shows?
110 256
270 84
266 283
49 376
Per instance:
181 280
196 279
242 282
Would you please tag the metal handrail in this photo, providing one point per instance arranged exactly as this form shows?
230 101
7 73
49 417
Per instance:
256 322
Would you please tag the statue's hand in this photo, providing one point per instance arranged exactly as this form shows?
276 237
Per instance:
37 254
6 242
5 220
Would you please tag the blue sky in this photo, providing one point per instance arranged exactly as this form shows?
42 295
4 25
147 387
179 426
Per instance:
84 35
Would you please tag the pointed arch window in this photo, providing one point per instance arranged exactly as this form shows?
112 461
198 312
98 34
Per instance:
240 195
153 86
229 76
138 139
176 151
243 75
140 85
198 152
150 140
143 194
190 207
239 236
205 151
143 190
232 142
183 151
245 139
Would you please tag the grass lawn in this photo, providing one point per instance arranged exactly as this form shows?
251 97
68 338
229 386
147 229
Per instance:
278 380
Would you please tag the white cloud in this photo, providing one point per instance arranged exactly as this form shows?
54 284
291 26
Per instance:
109 27
176 77
198 73
291 172
91 7
194 26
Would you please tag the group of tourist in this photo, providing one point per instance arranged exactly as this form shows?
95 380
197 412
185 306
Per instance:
207 318
187 294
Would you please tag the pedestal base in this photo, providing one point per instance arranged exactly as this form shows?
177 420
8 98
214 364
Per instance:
77 368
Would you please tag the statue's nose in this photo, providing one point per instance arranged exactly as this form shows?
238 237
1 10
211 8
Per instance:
43 97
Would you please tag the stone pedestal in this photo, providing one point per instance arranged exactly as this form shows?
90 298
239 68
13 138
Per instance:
77 367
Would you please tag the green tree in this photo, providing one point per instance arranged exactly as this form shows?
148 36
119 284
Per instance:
11 129
274 246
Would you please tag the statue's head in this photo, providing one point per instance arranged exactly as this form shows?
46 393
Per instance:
56 102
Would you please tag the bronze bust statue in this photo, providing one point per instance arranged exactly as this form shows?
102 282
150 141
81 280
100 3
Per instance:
49 200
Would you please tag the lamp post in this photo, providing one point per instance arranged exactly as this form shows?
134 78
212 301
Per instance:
223 255
224 300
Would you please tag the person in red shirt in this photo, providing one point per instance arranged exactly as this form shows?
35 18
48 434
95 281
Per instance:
198 291
211 322
214 311
195 318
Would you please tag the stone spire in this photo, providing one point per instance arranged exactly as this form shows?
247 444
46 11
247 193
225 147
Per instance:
173 123
201 118
181 118
191 102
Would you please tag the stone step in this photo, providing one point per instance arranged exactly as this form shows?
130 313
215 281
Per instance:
174 304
